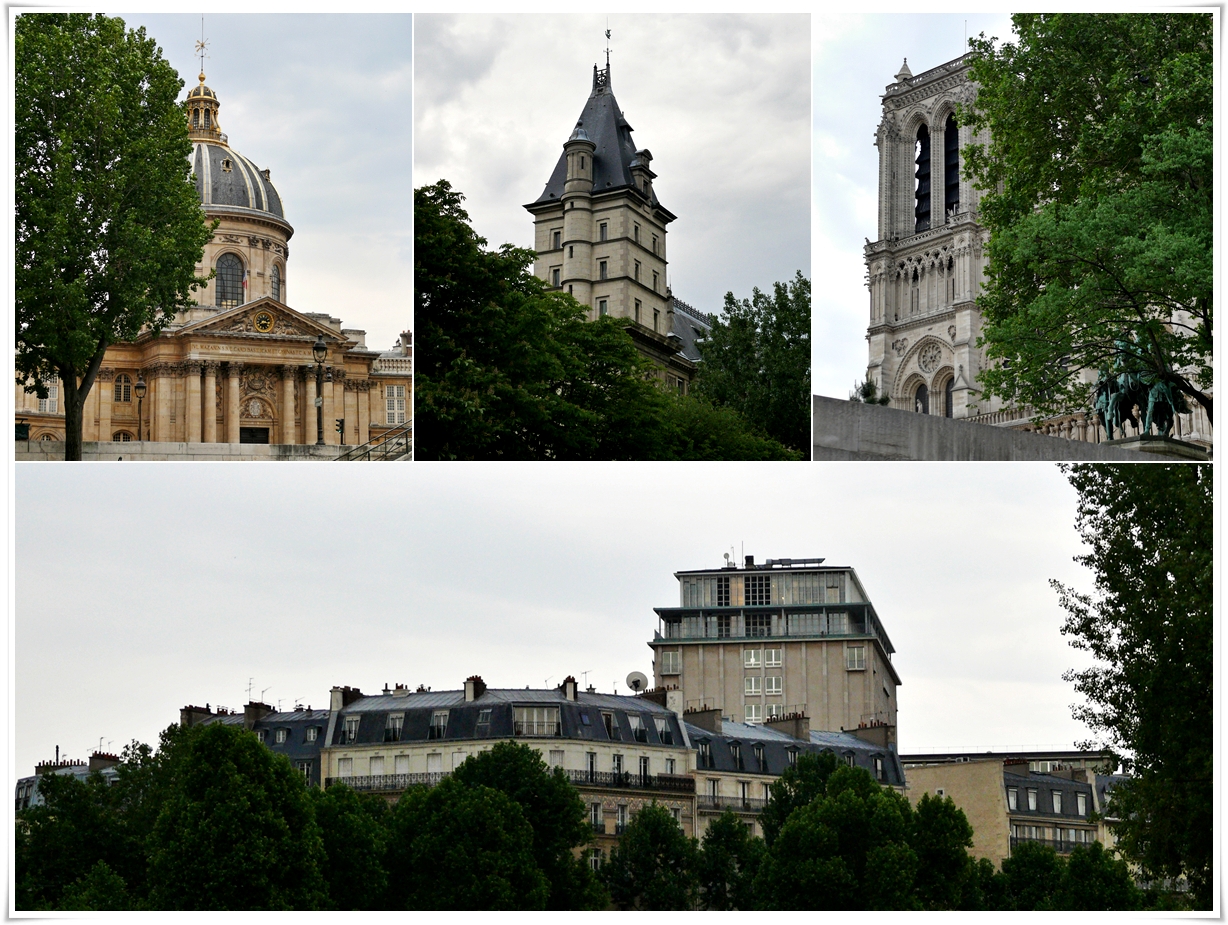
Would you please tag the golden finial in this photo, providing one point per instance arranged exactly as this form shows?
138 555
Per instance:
201 47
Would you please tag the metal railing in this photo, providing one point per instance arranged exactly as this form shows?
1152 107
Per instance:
673 783
1060 845
737 804
531 728
394 444
388 782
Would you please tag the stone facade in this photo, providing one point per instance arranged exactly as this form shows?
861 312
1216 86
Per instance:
237 367
599 232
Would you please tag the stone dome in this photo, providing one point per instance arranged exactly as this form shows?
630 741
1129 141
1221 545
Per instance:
226 180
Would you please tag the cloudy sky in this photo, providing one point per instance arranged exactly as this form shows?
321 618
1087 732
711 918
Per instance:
324 102
721 101
143 588
855 57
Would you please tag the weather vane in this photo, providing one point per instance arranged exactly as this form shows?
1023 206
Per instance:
201 48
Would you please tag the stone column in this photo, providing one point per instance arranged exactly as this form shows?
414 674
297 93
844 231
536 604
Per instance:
232 402
209 431
192 414
330 416
163 399
364 410
287 403
309 405
106 391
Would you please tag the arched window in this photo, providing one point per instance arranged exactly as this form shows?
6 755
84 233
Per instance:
196 118
229 281
123 387
947 398
206 118
47 438
923 180
276 282
950 165
121 436
921 404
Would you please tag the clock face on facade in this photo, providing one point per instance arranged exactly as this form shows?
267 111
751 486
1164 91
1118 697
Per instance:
263 322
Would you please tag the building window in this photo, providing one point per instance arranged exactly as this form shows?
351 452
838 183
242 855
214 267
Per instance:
1081 801
483 726
351 730
50 404
758 590
571 251
758 750
644 768
754 713
754 685
855 658
611 726
276 284
260 736
556 758
638 729
752 658
121 436
637 271
594 817
603 231
603 308
921 401
280 736
878 769
1057 801
791 755
582 162
123 388
616 764
394 397
671 661
590 764
638 306
714 788
677 813
654 281
670 763
434 764
554 277
537 721
603 269
313 733
735 752
705 754
771 658
656 319
654 243
1032 800
922 178
775 709
570 290
345 767
723 626
376 766
229 281
722 591
664 733
558 240
594 854
759 624
621 822
1012 798
636 234
773 684
394 725
950 172
439 724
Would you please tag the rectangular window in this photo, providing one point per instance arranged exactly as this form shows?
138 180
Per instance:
351 730
439 724
677 813
723 626
345 767
401 764
754 713
571 250
603 231
638 306
394 396
758 624
671 661
656 318
654 243
754 685
554 277
50 404
483 726
714 788
393 727
594 817
654 280
603 307
664 732
616 764
771 658
280 736
590 763
637 271
603 269
260 736
434 764
1032 800
636 235
304 768
773 684
638 729
1057 801
594 854
855 658
537 721
752 658
670 764
313 733
878 769
1012 798
376 765
758 590
611 726
705 754
622 817
775 709
735 752
644 768
556 758
558 241
1081 801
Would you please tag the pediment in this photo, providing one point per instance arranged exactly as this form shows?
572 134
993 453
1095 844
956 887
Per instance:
263 318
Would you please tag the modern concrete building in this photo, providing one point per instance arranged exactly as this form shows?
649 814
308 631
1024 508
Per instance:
788 636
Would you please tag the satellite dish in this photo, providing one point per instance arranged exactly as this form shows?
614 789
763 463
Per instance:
637 681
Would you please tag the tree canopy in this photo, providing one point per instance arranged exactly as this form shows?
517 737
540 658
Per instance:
108 224
653 867
508 369
1099 198
1149 625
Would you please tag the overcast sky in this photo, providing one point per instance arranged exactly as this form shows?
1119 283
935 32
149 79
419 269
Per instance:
323 102
142 588
855 57
721 101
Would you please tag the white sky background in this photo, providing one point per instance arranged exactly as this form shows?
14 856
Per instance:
324 102
855 58
722 102
143 588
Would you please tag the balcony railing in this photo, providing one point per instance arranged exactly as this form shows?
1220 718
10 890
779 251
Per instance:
673 783
598 827
1060 845
538 729
388 782
709 803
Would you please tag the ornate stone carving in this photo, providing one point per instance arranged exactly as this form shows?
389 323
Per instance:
283 325
106 374
258 380
929 357
899 346
951 332
252 408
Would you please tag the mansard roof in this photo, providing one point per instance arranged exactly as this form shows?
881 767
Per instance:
603 123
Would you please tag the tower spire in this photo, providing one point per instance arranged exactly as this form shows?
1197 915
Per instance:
201 47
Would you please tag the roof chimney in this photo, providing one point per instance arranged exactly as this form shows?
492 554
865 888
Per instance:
475 687
568 687
750 562
254 712
795 724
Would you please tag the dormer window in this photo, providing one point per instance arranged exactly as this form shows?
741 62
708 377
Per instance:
227 164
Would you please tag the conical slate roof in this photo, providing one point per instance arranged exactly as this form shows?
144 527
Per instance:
603 123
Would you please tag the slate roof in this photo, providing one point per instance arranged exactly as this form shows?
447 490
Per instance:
1045 785
691 325
605 126
297 747
243 188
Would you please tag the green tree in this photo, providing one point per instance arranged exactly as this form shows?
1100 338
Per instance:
510 370
554 811
798 786
462 847
653 866
729 859
867 392
108 225
1099 199
353 830
1093 880
756 360
235 829
941 837
100 890
1033 875
1149 626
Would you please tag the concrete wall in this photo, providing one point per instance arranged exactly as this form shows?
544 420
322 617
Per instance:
148 451
855 431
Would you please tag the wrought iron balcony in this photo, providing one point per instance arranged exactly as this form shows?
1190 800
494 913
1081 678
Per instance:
538 729
1060 845
389 783
672 783
709 803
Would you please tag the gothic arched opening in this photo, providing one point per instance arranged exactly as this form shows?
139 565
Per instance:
921 399
923 179
950 165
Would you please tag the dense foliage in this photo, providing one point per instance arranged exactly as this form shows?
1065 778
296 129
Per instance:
1099 199
508 369
108 225
1149 625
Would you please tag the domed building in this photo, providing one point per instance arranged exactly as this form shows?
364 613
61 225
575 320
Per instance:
239 367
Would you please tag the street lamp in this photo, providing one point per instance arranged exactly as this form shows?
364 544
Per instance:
319 351
140 389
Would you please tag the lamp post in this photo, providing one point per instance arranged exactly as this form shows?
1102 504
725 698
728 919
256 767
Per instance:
319 352
139 388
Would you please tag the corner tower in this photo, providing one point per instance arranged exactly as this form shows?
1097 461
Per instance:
599 230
